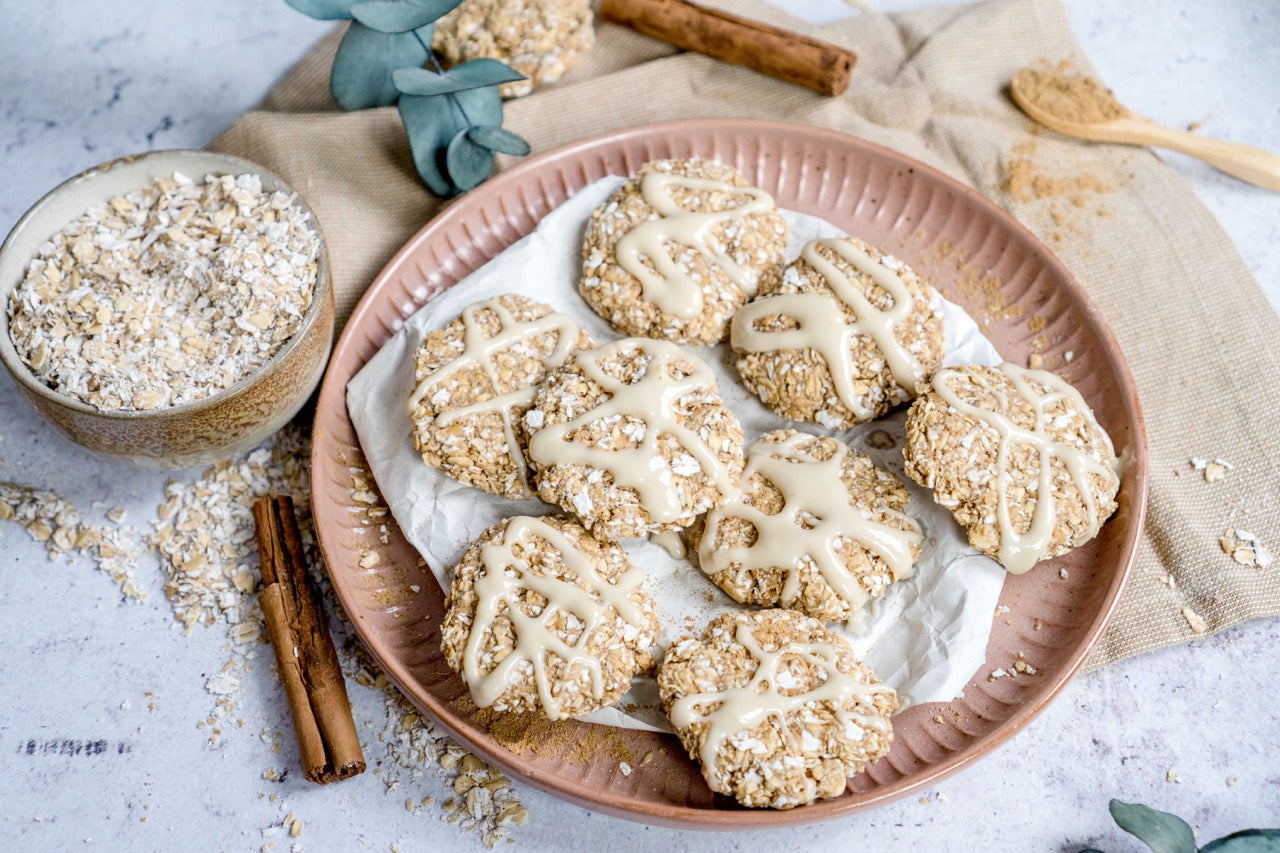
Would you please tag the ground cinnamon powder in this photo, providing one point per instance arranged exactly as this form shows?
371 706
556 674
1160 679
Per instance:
1026 181
1071 97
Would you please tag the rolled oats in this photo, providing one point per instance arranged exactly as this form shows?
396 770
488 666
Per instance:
168 294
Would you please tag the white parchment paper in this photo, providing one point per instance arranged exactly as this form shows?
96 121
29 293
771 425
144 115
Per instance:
926 636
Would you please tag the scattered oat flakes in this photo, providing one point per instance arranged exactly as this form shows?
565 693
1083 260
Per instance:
1020 665
1062 573
1170 776
204 534
1195 620
1213 470
624 768
51 519
1245 548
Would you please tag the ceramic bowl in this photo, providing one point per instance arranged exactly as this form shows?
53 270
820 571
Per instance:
196 433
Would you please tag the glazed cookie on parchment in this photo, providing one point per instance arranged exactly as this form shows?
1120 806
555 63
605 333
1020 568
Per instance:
816 528
843 335
475 378
633 438
678 249
541 39
775 708
1018 458
543 617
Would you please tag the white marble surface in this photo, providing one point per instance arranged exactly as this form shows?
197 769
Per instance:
81 83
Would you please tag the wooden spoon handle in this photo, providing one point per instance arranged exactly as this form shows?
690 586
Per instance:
1244 161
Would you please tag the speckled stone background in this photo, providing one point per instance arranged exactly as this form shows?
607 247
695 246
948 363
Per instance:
98 737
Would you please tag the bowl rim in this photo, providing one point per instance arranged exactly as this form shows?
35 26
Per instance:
321 293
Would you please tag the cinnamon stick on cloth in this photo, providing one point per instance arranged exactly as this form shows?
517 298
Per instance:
305 656
783 55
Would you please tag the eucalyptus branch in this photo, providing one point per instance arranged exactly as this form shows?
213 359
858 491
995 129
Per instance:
453 118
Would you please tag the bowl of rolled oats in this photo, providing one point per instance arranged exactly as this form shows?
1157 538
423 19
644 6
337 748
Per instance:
168 308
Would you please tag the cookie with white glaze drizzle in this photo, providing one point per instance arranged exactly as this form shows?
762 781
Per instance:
775 708
844 334
544 617
1018 458
474 379
816 528
675 251
633 438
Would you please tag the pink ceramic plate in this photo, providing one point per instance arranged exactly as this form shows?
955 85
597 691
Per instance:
949 233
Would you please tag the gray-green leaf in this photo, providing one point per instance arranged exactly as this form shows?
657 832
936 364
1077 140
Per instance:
486 72
423 82
468 164
400 16
324 10
498 139
362 68
1246 841
431 123
482 106
1161 831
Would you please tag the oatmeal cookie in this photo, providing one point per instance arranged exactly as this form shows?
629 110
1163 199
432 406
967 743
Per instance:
816 528
1018 458
543 617
678 249
541 39
475 378
775 708
844 334
633 438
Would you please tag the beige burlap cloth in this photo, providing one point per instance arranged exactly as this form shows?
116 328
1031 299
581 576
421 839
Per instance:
1199 335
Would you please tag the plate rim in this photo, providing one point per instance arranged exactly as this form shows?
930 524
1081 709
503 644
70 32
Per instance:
604 800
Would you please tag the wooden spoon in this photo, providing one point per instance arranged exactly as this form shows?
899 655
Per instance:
1244 161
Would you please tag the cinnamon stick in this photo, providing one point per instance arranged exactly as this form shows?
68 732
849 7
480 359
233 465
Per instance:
787 56
305 655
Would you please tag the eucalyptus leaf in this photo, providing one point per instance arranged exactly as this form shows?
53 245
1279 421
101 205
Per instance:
324 10
498 139
1161 831
468 164
481 106
486 72
361 75
421 81
431 123
400 16
1246 841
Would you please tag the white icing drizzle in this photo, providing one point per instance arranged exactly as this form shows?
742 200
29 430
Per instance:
504 576
479 351
1018 552
652 399
816 516
667 285
671 542
736 710
823 328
